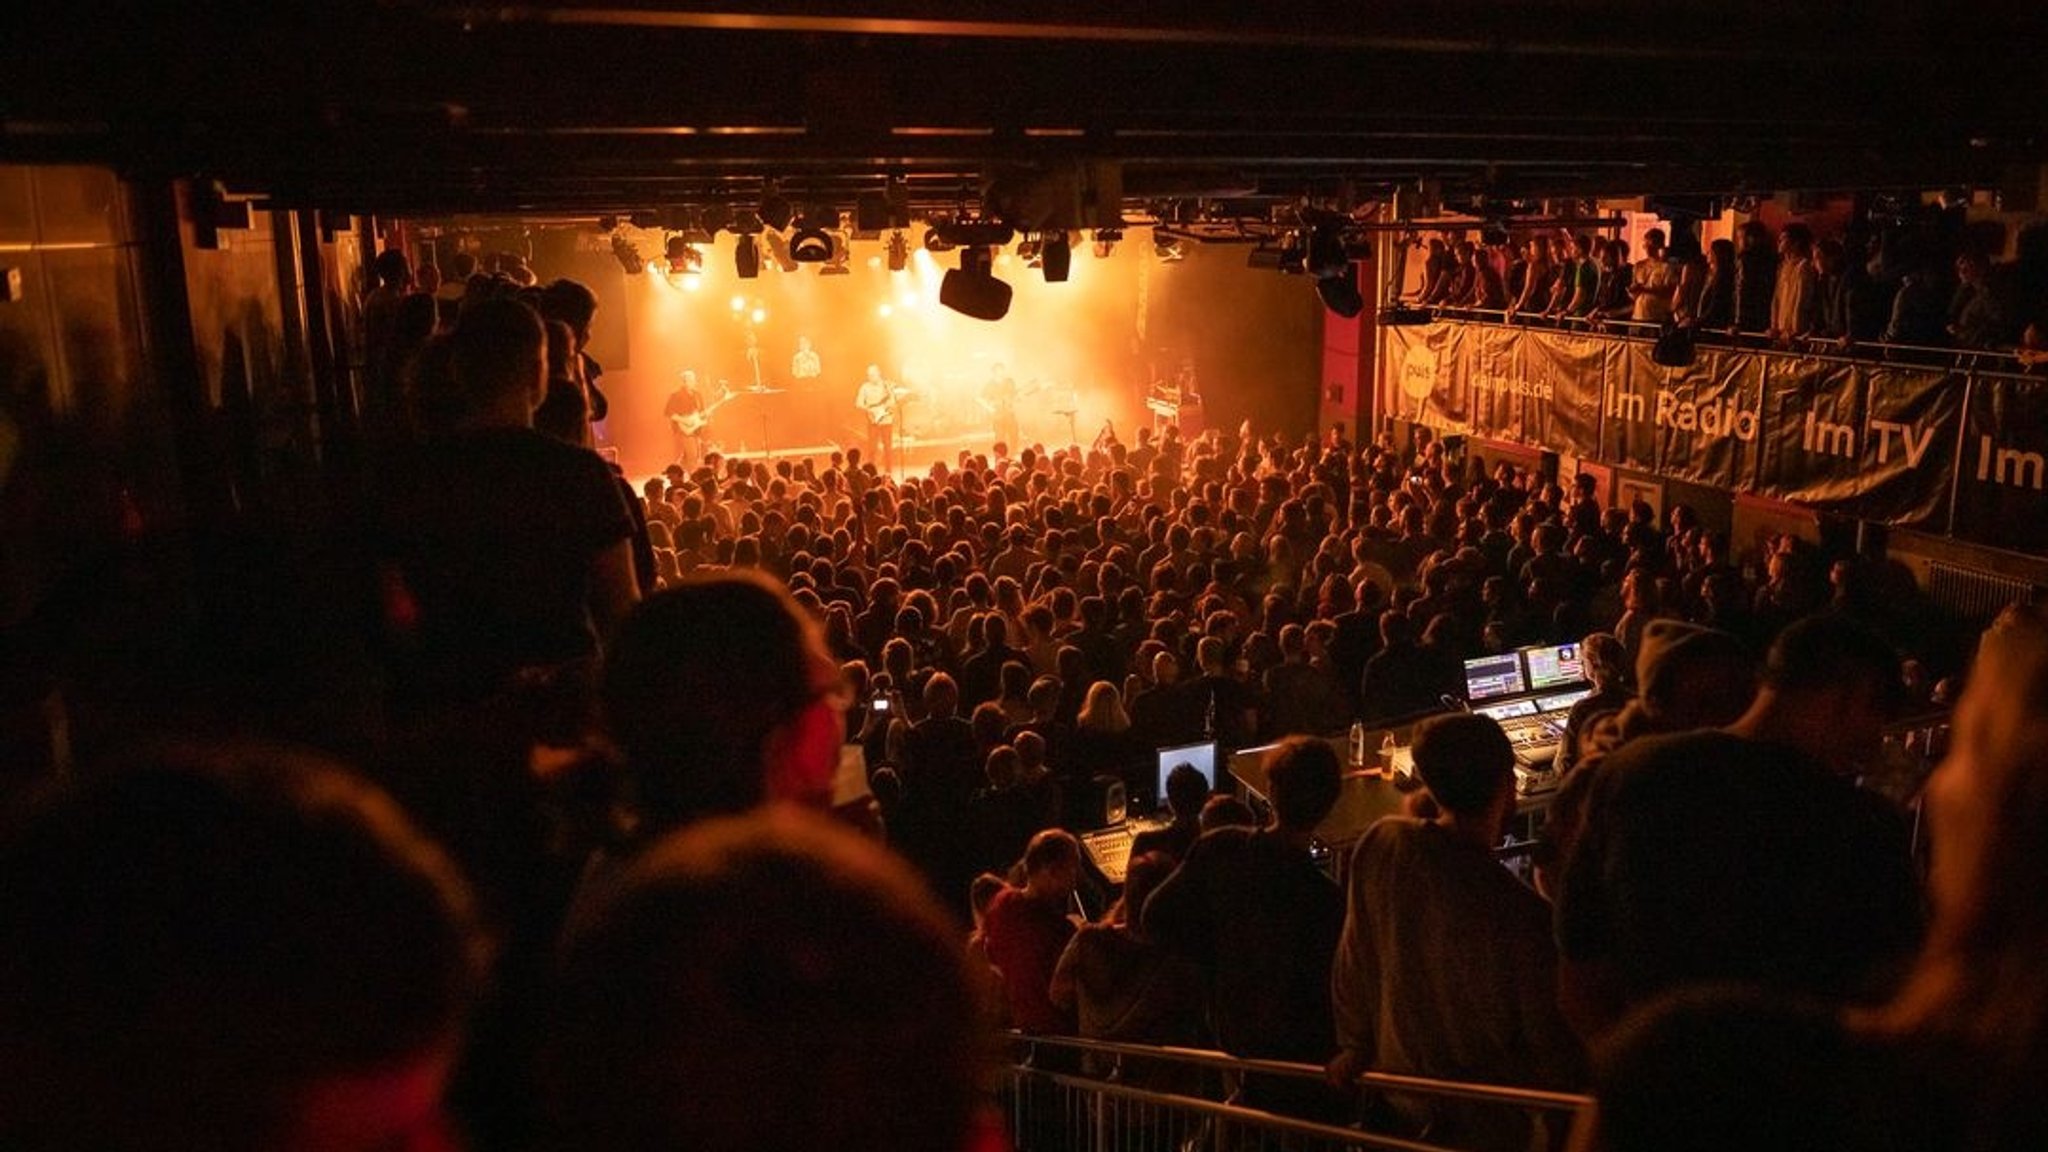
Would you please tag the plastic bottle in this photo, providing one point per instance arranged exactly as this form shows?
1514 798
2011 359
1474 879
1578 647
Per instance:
1358 744
1387 749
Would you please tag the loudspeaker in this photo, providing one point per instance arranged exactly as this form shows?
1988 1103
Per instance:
1105 800
975 294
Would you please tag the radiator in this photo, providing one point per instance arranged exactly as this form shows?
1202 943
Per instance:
1972 593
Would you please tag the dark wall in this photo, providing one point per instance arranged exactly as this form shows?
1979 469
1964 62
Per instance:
1255 335
83 449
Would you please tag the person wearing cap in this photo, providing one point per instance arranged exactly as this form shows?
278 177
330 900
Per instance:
1744 854
1687 677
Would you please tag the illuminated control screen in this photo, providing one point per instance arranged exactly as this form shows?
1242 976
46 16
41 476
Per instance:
1555 666
1489 676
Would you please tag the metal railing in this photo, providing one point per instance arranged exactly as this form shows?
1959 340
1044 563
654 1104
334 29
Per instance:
1997 360
1064 1094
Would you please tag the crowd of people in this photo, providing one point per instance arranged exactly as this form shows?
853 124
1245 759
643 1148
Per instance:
1795 289
592 900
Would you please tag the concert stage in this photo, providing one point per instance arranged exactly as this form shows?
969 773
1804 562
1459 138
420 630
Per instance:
918 453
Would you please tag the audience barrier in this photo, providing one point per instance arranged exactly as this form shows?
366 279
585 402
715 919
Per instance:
1052 1108
1947 442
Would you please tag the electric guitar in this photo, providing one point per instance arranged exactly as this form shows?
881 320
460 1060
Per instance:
1008 404
885 409
694 423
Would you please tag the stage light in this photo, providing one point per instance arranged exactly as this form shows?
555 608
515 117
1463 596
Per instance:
760 315
842 250
1056 256
746 256
898 250
812 242
627 255
973 290
692 283
1330 264
1326 257
885 311
810 245
875 262
779 251
1293 254
739 303
1340 293
683 257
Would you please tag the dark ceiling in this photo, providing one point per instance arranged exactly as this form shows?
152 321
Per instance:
428 107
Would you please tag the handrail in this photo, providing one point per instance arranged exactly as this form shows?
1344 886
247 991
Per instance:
1627 328
1237 1112
1420 1085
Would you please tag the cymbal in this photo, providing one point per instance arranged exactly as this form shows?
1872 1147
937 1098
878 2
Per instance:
764 391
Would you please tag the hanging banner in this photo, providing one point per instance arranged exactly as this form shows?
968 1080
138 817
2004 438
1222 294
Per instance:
1695 423
1878 442
1628 405
1811 441
1493 386
1424 379
1564 380
1911 421
2003 468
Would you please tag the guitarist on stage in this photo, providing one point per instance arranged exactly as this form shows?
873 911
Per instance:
877 399
689 418
999 399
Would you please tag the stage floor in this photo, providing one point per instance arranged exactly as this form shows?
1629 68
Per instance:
917 453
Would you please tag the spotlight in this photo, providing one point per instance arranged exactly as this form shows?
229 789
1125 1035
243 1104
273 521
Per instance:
779 251
627 255
1056 256
1340 293
1293 254
683 256
810 243
1326 256
973 290
835 265
1330 264
746 257
898 249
